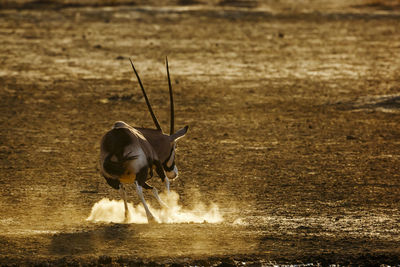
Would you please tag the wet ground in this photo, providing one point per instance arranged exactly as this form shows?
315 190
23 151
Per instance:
294 130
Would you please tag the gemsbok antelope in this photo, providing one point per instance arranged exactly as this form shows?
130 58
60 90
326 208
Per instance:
130 154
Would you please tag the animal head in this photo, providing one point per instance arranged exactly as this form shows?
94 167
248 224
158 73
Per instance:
165 145
169 165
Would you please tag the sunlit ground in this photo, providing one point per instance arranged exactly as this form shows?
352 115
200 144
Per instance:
107 210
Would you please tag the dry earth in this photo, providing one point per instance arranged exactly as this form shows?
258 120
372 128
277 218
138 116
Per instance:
294 129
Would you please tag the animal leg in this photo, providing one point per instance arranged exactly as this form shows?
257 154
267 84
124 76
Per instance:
160 170
162 203
149 215
123 195
167 184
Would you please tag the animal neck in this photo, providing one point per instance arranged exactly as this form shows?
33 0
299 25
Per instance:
158 141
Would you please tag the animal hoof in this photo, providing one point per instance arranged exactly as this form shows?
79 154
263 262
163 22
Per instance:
152 220
127 219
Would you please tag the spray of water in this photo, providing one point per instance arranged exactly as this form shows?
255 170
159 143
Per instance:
113 211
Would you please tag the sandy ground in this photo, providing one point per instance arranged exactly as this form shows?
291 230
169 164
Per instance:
294 130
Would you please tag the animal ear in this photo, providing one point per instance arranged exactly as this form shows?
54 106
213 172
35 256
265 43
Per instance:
180 133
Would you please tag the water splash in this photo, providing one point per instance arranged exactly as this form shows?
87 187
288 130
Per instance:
108 211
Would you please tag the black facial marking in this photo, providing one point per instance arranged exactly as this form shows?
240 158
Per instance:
171 168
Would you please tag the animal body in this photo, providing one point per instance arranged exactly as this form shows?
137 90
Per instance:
131 155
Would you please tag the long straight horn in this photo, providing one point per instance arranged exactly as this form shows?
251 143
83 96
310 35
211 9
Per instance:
171 100
147 100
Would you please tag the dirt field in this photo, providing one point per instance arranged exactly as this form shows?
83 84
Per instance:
294 132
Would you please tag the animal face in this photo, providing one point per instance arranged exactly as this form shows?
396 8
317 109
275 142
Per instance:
169 164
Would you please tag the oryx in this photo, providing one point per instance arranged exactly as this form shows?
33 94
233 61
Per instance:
130 154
